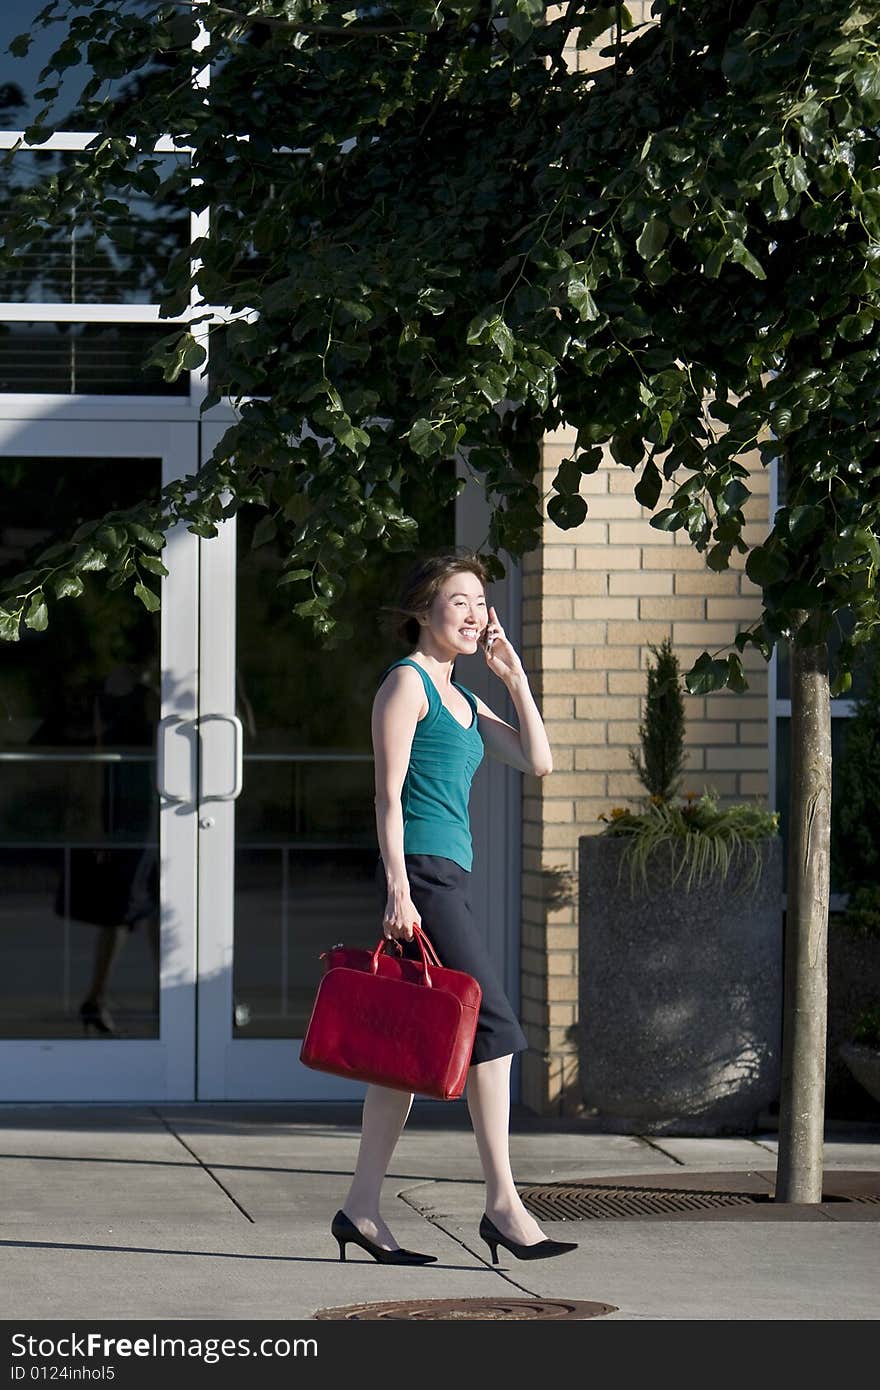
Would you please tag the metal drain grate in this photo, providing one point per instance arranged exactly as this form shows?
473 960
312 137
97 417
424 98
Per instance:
573 1202
478 1309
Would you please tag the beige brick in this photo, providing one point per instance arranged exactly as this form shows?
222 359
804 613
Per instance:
606 707
600 658
623 731
593 533
557 658
672 608
626 785
577 732
560 987
618 558
561 1015
710 634
641 582
744 610
593 759
580 633
558 557
753 732
562 784
532 585
673 558
557 835
707 582
754 784
637 533
561 963
625 634
575 582
605 608
626 682
557 707
724 783
575 682
562 938
736 758
561 810
559 1039
710 731
610 508
532 962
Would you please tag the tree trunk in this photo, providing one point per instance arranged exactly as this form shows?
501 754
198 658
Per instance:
802 1103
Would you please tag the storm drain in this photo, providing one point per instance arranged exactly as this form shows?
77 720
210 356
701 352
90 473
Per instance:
574 1202
662 1195
479 1309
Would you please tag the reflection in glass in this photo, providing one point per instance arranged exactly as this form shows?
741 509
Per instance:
20 80
78 265
79 705
105 359
306 844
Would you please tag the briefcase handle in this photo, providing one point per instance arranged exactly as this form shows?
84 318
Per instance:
424 944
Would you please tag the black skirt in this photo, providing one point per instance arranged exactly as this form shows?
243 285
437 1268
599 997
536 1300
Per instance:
440 890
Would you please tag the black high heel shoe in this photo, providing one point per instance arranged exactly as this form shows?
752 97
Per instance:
541 1250
93 1016
346 1231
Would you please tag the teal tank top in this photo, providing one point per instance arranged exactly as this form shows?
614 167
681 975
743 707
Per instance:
435 793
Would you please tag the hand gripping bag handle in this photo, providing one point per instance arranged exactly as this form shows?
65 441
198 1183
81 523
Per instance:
425 946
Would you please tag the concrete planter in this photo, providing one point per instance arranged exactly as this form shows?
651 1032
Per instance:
680 993
864 1063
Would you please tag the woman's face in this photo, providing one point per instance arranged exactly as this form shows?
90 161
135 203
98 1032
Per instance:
458 614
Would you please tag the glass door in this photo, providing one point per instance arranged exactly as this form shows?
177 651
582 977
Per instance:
286 819
98 763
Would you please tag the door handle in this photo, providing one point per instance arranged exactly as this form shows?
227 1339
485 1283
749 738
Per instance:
237 758
175 756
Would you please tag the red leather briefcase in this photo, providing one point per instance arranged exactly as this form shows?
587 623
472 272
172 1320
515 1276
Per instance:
383 1018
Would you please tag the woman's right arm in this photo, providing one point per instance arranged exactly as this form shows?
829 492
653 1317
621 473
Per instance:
396 710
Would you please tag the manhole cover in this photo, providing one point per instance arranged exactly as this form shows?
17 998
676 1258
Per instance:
482 1309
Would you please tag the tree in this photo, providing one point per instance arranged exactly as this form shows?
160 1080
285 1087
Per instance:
419 216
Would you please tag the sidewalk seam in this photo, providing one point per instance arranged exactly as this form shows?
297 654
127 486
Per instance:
475 1253
204 1167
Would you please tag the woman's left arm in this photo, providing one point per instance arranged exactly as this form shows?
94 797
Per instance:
528 747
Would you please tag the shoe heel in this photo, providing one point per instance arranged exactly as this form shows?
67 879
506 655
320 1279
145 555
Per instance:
341 1244
494 1249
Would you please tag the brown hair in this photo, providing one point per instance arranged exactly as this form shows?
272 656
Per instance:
421 584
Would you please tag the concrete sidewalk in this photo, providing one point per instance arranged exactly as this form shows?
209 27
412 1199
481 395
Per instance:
223 1211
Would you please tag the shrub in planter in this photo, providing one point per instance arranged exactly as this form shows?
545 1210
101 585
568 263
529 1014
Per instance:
680 958
862 1054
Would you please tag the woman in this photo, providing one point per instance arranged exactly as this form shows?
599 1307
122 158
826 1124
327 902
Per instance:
429 735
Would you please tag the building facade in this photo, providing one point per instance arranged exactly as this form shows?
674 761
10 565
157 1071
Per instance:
186 813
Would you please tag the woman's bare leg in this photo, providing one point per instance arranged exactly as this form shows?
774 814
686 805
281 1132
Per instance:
384 1116
488 1098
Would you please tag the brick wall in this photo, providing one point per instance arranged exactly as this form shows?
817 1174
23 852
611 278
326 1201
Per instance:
594 600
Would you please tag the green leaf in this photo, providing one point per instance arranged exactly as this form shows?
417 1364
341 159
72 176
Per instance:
424 439
765 567
580 296
802 521
567 512
568 477
265 530
706 675
150 600
741 254
9 626
648 488
291 576
20 45
670 519
152 563
37 615
653 238
67 586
